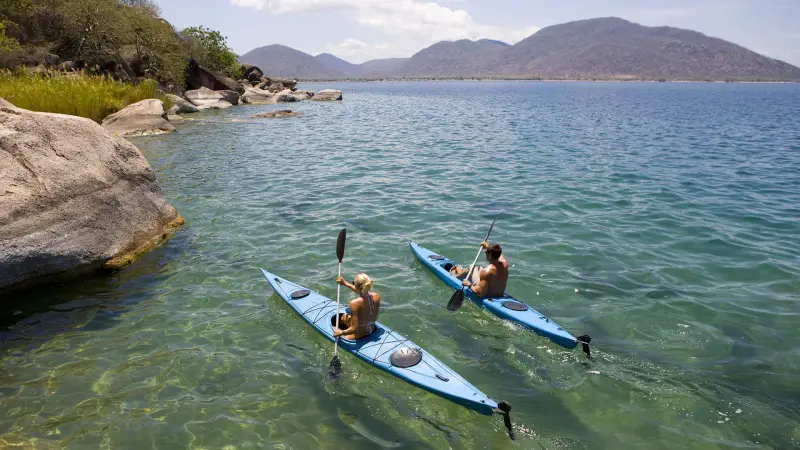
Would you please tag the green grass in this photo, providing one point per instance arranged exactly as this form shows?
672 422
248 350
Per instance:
77 94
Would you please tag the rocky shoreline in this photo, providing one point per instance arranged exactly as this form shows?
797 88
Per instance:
76 198
210 91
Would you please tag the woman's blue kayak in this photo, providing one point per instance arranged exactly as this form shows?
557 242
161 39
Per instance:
385 349
506 306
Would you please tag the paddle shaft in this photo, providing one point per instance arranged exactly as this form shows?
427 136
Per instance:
469 274
338 290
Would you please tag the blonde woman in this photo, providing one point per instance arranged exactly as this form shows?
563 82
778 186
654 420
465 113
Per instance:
363 309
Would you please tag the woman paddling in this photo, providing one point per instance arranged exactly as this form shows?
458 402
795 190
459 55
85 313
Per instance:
363 309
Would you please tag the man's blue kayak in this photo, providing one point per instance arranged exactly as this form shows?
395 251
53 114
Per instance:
385 349
506 306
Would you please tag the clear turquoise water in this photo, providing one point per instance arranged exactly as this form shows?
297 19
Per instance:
671 208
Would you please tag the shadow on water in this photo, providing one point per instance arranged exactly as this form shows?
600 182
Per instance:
30 317
533 407
351 414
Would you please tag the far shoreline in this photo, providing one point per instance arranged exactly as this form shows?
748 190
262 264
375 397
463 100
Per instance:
394 80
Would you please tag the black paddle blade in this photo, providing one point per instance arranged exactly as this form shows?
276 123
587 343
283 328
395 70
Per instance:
456 300
340 244
490 228
335 369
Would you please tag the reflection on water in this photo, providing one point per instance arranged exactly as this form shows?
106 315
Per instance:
671 208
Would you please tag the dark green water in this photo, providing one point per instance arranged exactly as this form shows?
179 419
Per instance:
671 208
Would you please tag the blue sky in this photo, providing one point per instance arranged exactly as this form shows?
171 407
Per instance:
358 30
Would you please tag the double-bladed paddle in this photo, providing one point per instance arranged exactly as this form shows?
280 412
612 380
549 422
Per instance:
335 369
458 296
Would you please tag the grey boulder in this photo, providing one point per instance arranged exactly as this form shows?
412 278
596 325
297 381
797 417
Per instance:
143 118
205 98
180 105
258 97
74 198
327 95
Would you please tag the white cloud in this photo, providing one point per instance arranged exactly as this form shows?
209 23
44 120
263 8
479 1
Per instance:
357 51
418 21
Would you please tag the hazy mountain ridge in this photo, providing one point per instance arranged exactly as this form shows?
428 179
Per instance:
605 48
282 61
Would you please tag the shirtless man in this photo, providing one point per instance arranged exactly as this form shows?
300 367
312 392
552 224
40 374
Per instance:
363 309
489 281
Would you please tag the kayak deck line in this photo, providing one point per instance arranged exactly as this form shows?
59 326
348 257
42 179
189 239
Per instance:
505 307
386 349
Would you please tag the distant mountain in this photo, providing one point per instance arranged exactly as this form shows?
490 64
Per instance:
339 64
459 58
381 67
605 48
613 48
283 61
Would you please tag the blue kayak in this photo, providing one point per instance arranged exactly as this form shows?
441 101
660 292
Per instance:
506 306
385 349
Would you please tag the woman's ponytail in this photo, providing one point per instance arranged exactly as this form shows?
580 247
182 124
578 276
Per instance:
364 283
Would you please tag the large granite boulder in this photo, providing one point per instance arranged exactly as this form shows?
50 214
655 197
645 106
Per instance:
180 105
303 95
258 97
205 98
74 198
287 83
232 85
327 95
199 77
143 118
285 96
252 73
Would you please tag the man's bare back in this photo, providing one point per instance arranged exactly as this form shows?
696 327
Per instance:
489 281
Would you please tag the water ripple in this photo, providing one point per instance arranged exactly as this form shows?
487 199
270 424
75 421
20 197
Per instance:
671 208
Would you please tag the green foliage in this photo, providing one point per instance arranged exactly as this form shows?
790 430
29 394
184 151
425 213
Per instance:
158 48
7 43
76 94
210 49
130 33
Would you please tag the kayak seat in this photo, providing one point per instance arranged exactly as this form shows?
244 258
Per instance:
376 329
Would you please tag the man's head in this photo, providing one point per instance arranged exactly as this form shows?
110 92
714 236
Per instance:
493 252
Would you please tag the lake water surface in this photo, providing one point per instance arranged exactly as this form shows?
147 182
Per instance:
673 210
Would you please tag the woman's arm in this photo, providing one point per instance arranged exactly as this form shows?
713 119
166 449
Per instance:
352 287
353 321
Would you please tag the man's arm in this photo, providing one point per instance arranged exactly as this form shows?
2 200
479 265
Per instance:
480 287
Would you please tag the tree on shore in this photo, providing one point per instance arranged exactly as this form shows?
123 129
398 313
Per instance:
210 49
103 34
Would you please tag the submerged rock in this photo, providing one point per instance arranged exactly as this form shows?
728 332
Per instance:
73 198
327 95
143 118
277 114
